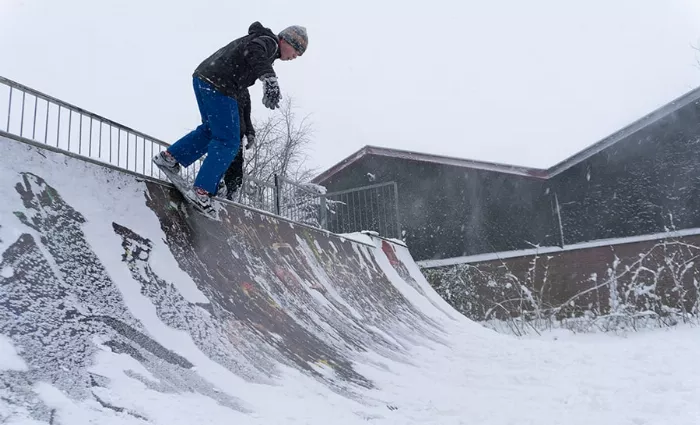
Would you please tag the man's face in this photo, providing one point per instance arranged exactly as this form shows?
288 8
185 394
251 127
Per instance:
287 52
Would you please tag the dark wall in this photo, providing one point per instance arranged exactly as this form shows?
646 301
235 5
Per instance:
449 211
646 183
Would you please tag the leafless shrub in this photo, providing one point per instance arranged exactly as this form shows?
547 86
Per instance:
657 288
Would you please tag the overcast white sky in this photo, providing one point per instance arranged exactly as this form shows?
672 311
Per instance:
521 82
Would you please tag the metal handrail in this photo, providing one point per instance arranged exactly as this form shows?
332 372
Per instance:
45 119
374 207
126 148
18 86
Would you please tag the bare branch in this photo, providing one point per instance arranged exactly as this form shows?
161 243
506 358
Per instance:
281 146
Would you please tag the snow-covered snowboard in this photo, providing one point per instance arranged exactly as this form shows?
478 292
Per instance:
188 192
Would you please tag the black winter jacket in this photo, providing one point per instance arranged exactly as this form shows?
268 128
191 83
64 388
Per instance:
244 113
237 65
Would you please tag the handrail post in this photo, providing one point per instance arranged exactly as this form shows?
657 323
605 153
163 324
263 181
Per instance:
278 194
322 214
396 206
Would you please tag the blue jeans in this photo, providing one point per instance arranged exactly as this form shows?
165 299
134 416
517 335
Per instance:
218 136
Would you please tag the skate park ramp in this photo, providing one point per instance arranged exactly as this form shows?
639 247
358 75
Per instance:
120 305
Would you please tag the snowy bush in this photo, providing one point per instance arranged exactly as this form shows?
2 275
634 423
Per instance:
610 288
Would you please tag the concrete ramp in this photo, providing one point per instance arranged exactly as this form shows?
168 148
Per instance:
122 302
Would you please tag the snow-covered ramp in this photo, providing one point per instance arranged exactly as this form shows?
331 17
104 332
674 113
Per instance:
119 305
111 283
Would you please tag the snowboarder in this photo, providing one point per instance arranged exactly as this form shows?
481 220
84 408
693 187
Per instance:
218 82
233 177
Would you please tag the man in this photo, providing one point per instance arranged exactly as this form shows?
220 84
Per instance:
218 82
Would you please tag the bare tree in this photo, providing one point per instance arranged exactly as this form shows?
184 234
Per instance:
281 146
280 150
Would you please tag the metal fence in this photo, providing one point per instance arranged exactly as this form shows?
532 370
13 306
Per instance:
41 118
45 119
34 115
373 208
299 202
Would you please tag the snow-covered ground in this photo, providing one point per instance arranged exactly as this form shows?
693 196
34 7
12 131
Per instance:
463 374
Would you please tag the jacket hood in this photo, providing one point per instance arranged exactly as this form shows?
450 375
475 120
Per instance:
256 28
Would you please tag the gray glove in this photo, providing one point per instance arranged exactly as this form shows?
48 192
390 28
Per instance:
271 92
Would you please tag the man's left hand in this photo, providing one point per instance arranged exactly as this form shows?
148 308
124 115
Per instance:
251 140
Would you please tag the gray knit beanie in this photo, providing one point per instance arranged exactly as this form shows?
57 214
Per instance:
296 36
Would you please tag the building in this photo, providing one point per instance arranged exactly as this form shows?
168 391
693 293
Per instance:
643 179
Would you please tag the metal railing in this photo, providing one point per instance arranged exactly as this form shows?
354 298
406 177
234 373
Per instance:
373 208
257 194
299 202
33 115
42 118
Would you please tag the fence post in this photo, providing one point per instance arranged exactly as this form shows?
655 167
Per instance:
323 217
9 111
396 206
278 194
